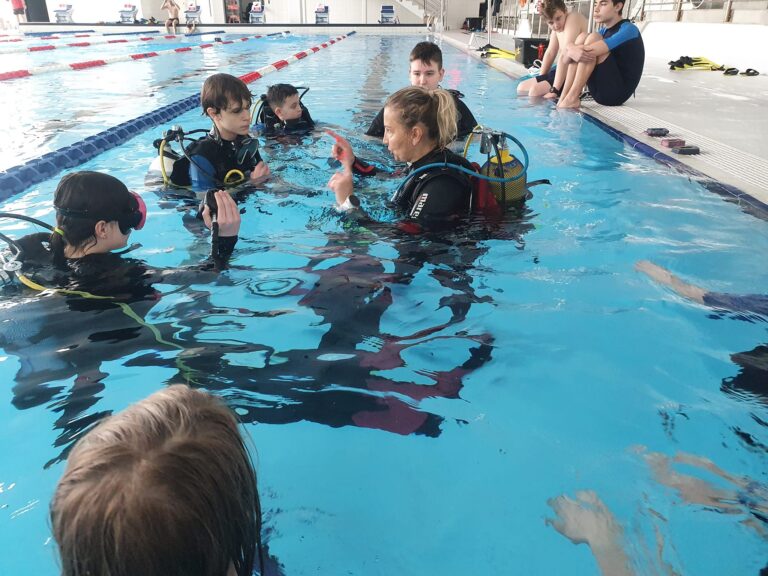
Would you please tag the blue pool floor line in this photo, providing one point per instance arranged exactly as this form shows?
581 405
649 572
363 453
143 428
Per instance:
18 178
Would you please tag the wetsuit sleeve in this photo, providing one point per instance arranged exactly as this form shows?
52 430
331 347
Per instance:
441 199
377 126
756 303
363 168
202 173
627 31
467 121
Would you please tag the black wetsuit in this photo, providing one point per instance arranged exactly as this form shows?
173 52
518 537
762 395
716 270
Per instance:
273 127
437 195
464 123
212 158
96 316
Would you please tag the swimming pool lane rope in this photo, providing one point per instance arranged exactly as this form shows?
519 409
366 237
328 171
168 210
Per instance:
85 44
19 178
16 74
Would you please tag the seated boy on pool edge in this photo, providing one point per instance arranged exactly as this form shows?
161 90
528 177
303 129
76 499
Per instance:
227 152
426 70
609 62
283 113
565 28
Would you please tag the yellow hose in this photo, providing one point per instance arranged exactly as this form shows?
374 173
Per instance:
237 174
162 163
125 308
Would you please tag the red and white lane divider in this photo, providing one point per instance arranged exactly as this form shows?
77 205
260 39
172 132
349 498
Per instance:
16 74
280 64
45 47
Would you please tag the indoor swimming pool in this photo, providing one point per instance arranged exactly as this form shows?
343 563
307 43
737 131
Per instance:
477 402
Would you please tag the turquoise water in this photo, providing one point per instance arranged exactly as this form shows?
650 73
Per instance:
416 404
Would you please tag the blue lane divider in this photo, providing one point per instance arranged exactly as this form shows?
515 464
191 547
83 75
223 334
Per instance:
21 177
18 178
57 33
129 33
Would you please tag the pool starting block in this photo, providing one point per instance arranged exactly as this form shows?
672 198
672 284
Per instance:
321 14
388 15
63 14
192 14
128 14
256 15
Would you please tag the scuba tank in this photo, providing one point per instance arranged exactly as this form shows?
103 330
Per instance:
506 166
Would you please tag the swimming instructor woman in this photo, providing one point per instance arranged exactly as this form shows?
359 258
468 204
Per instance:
419 125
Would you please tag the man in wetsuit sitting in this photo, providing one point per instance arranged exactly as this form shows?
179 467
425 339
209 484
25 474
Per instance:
609 62
426 70
227 154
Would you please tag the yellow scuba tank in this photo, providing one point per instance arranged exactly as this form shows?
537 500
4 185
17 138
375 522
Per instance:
510 167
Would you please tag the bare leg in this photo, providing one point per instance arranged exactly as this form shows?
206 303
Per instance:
666 278
587 520
525 86
570 66
539 89
572 98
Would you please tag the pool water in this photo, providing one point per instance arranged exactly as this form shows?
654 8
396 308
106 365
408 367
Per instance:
467 404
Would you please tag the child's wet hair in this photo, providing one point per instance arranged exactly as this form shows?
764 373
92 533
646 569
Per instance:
222 90
164 488
277 94
427 52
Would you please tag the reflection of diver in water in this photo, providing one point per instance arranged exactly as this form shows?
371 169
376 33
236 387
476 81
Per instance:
752 378
93 301
357 374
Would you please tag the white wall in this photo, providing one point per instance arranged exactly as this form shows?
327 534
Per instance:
277 11
341 11
458 10
93 11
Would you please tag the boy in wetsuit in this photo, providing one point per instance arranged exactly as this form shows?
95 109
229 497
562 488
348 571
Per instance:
173 16
426 70
566 27
284 112
609 62
227 153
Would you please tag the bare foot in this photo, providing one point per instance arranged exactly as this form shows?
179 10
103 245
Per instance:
587 520
570 103
550 96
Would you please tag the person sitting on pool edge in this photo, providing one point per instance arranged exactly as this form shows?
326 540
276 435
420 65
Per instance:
164 488
227 149
609 62
426 70
283 113
173 15
566 27
419 125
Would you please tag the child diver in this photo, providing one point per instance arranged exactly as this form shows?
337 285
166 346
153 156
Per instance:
164 488
95 215
281 112
227 155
